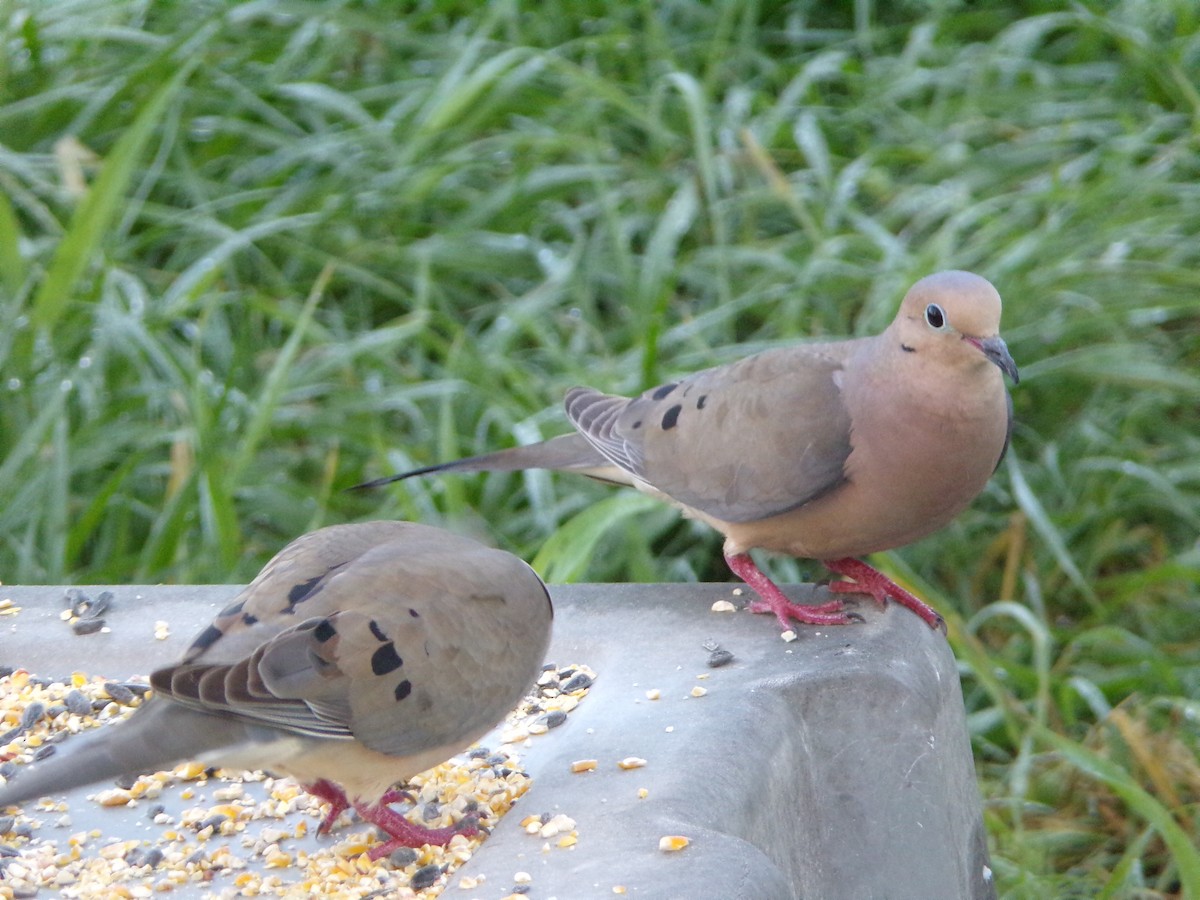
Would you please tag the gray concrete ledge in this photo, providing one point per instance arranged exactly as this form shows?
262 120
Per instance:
836 766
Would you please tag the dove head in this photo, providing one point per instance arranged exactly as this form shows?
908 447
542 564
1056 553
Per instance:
954 317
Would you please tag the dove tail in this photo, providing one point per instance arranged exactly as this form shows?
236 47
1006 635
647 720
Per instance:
567 451
158 736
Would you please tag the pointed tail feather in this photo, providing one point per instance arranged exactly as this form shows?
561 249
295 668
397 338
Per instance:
158 736
565 452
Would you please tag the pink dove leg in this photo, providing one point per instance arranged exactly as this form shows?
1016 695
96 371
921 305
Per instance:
403 832
407 834
334 796
869 580
775 601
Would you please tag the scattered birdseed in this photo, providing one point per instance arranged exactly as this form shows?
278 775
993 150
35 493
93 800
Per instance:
788 636
671 842
119 693
554 718
32 713
584 765
723 606
8 608
653 694
77 703
81 606
719 657
580 681
425 876
631 762
228 836
698 691
643 793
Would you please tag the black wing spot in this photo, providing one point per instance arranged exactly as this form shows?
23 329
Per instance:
386 659
324 631
637 424
299 592
207 638
232 609
663 391
377 631
412 612
403 689
248 619
671 417
908 349
701 401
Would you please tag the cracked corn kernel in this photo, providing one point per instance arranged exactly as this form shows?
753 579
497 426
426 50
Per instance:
653 694
189 771
723 606
557 825
114 797
698 691
584 765
631 762
669 843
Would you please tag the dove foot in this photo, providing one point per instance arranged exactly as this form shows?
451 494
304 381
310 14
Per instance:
334 796
338 804
869 580
404 833
775 601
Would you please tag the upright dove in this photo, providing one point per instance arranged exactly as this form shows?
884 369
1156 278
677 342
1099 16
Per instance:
360 656
827 451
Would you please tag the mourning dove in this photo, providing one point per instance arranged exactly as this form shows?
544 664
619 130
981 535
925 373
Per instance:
824 450
360 656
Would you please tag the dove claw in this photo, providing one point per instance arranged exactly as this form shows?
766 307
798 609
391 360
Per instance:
870 581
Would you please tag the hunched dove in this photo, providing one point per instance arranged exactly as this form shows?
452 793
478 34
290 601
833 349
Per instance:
358 657
824 450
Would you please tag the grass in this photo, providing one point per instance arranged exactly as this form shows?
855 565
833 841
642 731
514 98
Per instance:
254 253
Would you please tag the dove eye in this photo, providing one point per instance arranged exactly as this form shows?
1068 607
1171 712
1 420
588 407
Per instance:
935 316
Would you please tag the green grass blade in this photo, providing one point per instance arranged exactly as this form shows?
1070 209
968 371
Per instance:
566 554
1040 520
101 208
267 402
1181 844
12 265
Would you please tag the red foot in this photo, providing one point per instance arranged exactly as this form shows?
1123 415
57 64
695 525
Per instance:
775 601
334 796
403 833
407 834
869 580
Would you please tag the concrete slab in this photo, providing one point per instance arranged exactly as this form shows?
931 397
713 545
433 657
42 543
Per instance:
836 766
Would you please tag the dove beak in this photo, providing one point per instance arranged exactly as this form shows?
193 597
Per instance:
996 350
